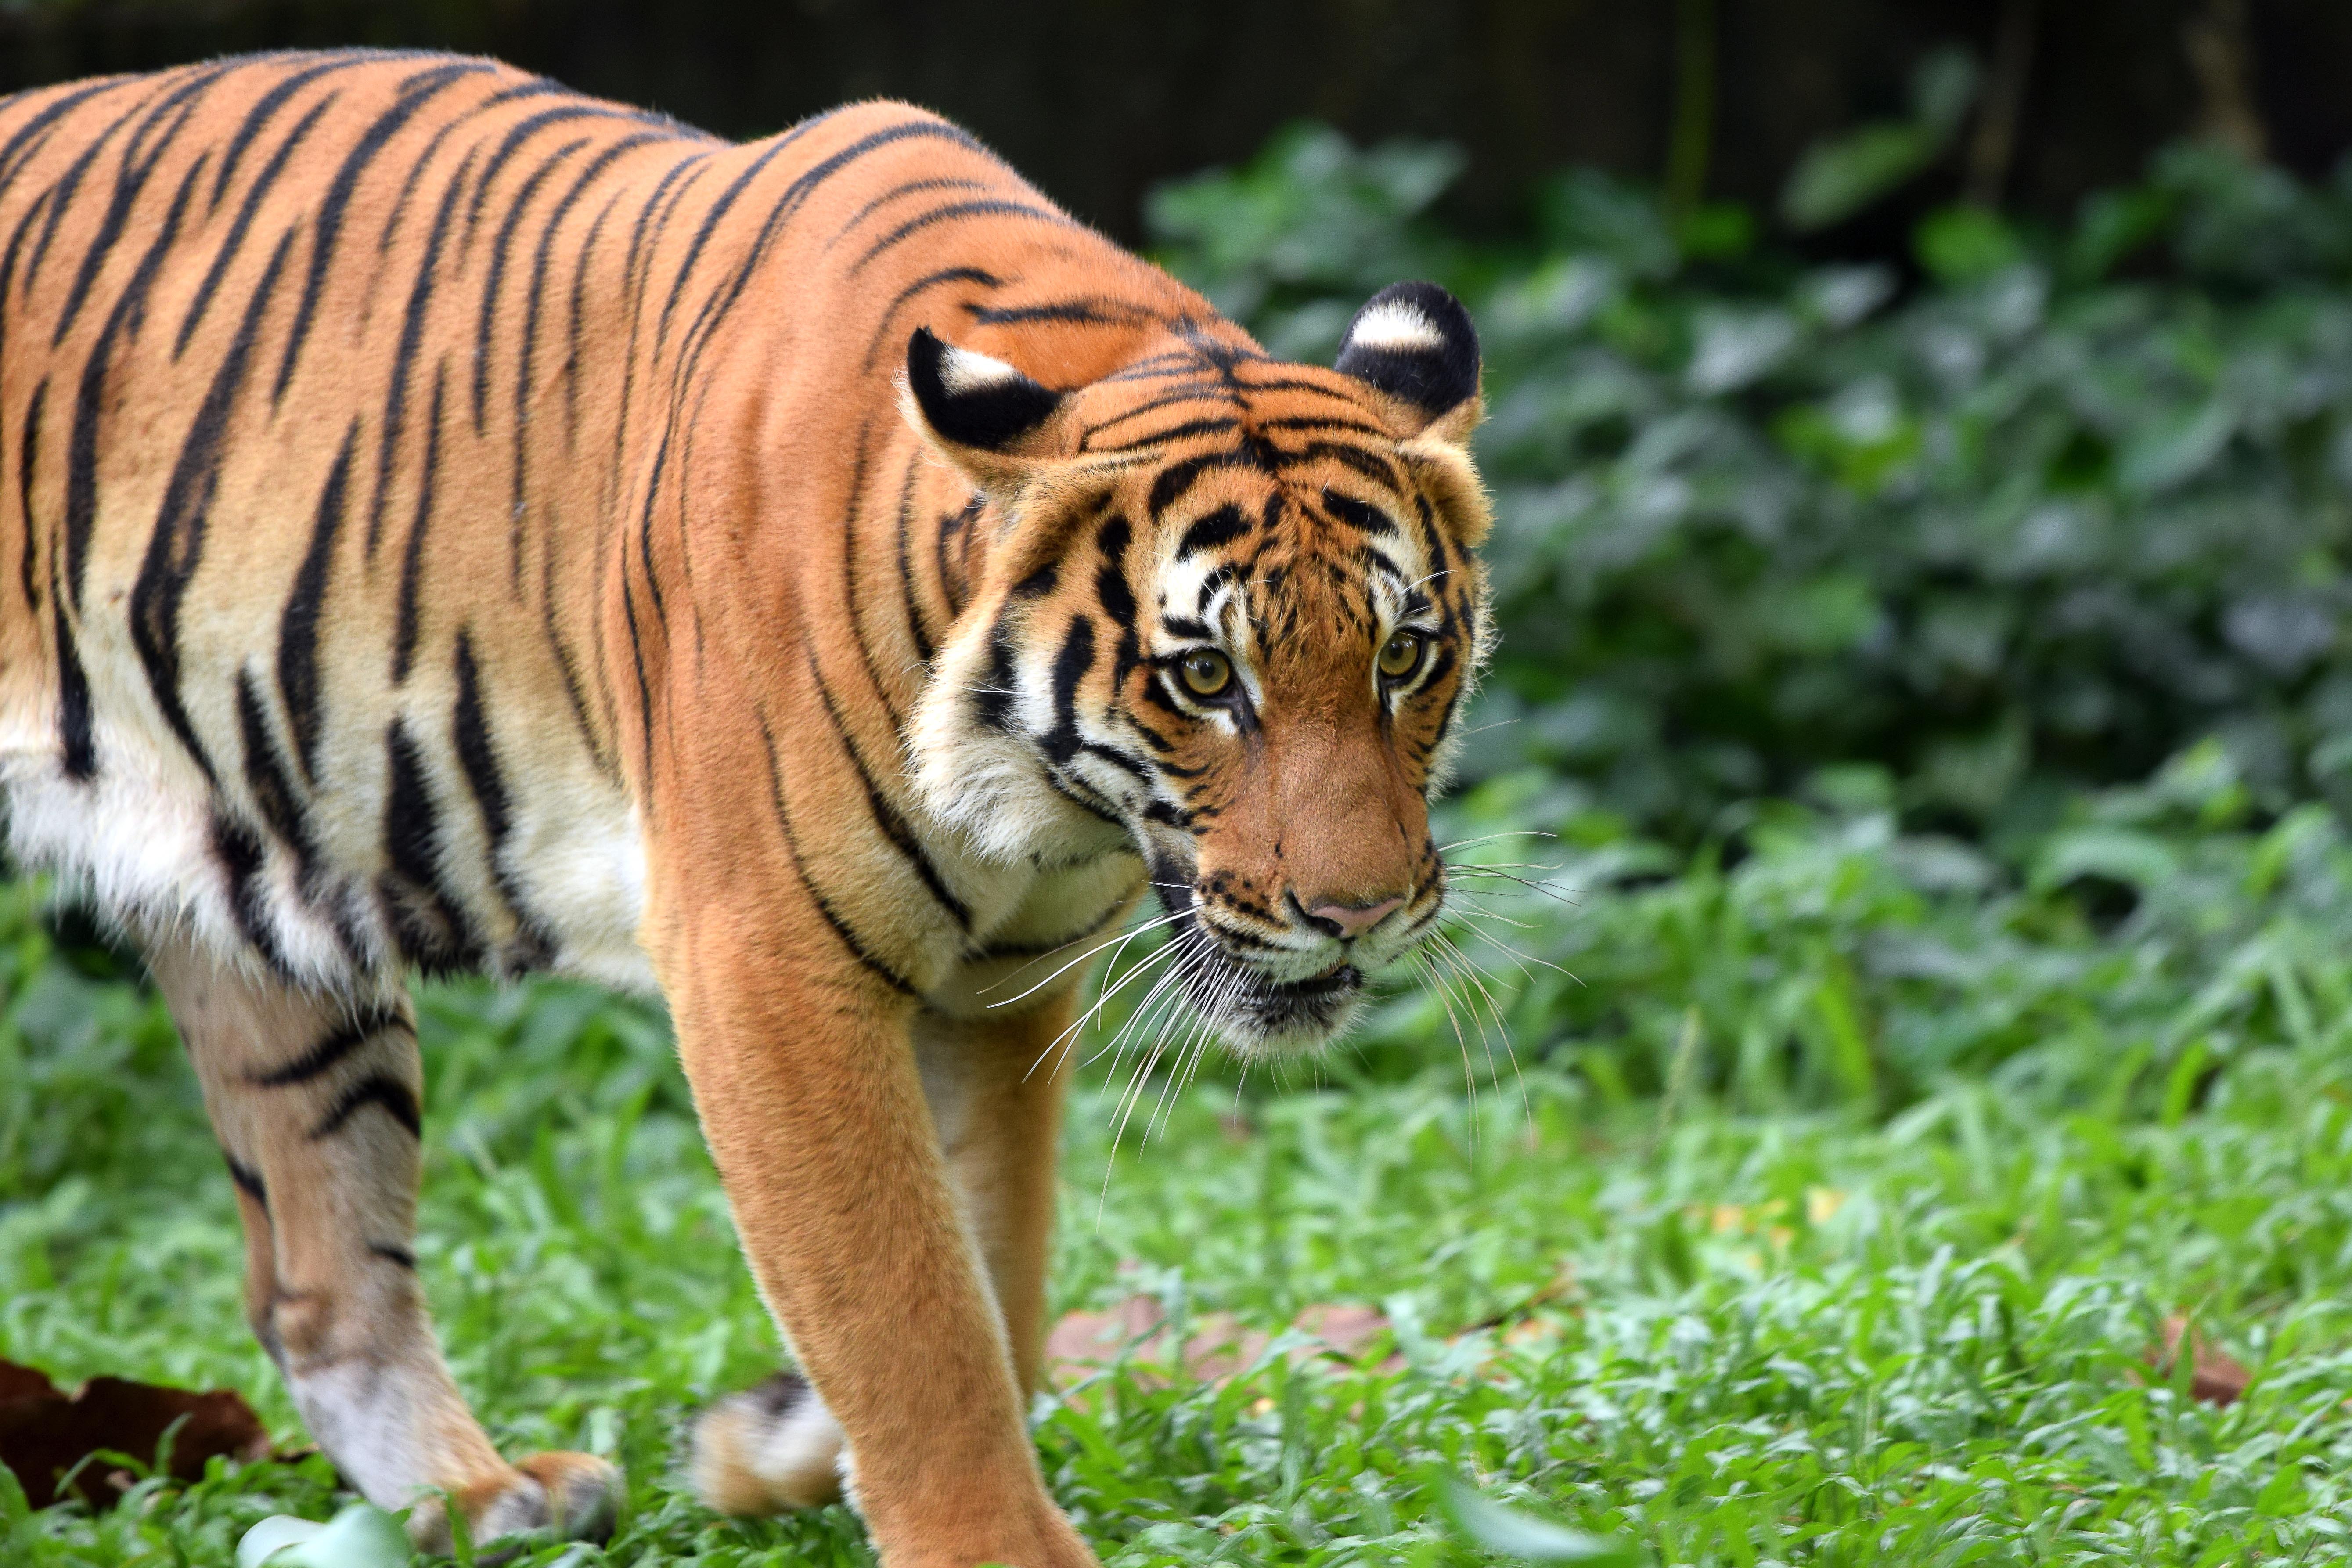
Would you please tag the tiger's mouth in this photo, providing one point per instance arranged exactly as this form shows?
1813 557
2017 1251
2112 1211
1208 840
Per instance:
1259 1012
1260 1015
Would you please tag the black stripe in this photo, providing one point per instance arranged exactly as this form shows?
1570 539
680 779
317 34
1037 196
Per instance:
29 447
332 1048
176 547
852 603
475 753
1075 658
571 334
645 686
265 778
1213 425
797 193
128 182
916 624
1084 312
1176 478
527 352
915 225
841 929
89 397
403 361
477 759
242 859
1371 465
887 818
897 193
417 165
566 666
398 1256
248 1179
412 563
646 528
76 740
1324 422
511 142
1110 580
15 250
15 156
1220 527
919 286
264 109
1106 810
69 185
1195 393
496 274
991 701
298 625
958 526
419 90
432 930
243 222
711 220
378 1090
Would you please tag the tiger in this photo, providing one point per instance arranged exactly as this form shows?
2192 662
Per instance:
463 525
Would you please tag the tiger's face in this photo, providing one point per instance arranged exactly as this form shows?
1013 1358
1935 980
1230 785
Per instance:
1230 618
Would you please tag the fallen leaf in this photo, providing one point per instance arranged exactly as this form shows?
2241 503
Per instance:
2214 1377
1349 1330
45 1432
1219 1347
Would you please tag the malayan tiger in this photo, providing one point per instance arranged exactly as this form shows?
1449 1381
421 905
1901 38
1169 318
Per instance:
455 523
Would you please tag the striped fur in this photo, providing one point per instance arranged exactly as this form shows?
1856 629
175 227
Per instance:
459 524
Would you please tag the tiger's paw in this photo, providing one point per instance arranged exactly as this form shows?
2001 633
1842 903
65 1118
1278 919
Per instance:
766 1449
570 1497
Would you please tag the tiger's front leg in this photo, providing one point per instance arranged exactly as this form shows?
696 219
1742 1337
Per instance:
314 1098
994 1084
805 1072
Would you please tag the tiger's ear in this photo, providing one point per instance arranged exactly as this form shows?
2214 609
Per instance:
991 421
1415 343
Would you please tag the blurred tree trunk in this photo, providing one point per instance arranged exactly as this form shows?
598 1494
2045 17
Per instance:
2221 53
1994 146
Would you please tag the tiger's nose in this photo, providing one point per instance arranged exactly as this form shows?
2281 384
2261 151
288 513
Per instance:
1355 920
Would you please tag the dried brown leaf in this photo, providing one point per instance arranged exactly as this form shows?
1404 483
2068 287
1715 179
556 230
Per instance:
45 1432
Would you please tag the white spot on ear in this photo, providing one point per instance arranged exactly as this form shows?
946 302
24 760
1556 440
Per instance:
962 371
1396 326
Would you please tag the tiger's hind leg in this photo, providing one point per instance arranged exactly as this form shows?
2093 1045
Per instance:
314 1099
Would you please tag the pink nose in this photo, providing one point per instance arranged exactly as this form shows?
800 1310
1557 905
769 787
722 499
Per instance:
1354 920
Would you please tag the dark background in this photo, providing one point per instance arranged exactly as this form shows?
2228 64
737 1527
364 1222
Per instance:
1098 101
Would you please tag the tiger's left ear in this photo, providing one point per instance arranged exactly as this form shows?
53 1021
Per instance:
994 423
1415 343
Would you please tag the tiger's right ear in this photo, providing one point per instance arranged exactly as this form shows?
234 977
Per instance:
991 421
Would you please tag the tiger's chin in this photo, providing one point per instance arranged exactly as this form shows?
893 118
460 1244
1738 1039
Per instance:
1262 1018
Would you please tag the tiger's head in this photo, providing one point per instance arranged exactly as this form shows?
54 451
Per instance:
1229 614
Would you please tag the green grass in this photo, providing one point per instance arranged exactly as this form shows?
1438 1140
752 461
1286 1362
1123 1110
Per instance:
1829 1223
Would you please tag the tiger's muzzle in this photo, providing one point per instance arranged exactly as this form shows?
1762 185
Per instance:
1282 979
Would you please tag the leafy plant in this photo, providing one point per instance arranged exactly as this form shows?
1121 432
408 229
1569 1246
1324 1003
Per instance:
2039 519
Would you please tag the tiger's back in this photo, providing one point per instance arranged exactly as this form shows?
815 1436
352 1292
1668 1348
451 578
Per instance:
332 388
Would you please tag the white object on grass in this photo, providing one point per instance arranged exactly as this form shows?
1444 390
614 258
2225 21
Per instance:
362 1536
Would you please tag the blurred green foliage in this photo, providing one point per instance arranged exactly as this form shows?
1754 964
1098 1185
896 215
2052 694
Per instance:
2039 515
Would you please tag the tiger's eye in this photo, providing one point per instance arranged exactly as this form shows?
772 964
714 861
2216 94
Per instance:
1206 672
1400 655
